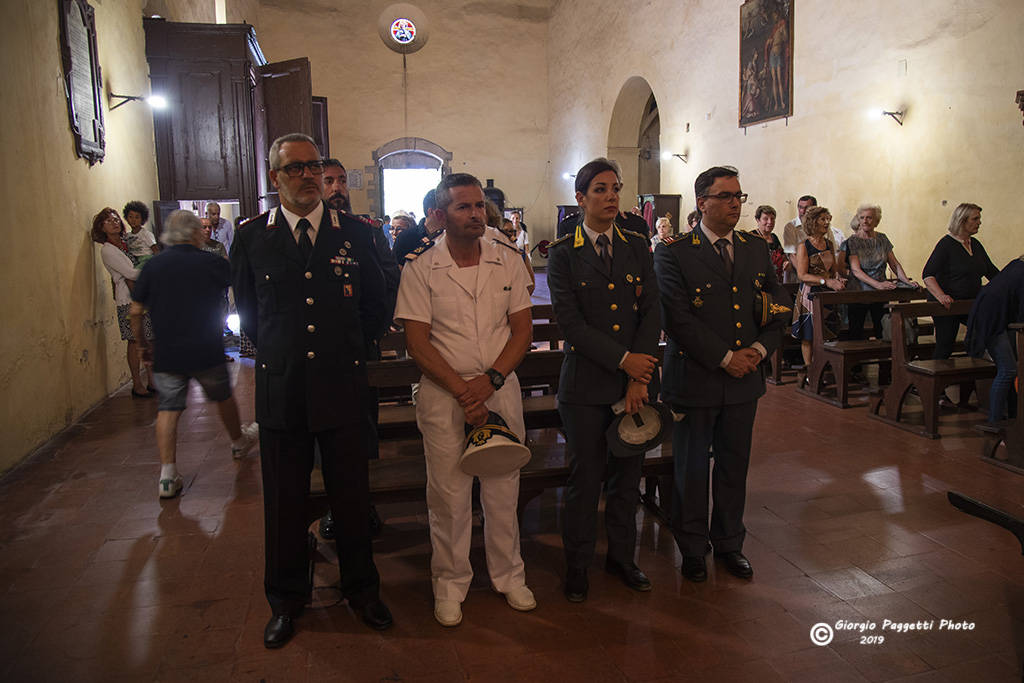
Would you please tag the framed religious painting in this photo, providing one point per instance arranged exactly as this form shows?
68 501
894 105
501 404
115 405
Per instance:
766 60
83 86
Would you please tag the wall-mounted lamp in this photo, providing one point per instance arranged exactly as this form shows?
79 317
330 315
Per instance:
684 157
154 101
568 176
896 116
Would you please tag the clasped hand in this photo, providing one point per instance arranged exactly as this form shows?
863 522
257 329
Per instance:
473 397
639 366
743 362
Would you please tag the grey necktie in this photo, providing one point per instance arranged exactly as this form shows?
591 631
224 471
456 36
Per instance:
606 257
305 243
723 251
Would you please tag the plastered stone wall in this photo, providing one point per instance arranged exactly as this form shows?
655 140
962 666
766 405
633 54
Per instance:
60 350
478 88
962 139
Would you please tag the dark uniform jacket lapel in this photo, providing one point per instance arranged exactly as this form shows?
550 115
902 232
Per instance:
279 236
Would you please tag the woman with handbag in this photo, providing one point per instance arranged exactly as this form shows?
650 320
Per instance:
817 270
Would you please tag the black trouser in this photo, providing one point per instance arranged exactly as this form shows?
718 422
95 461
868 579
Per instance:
859 312
946 327
287 460
585 428
729 429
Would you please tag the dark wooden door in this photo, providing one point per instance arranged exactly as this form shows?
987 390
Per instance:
282 104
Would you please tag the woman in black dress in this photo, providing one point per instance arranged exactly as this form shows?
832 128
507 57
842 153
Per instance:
954 271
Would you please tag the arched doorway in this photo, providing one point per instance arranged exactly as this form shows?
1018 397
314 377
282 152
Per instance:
406 169
634 139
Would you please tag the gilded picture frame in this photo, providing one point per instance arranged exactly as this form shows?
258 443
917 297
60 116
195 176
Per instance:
766 61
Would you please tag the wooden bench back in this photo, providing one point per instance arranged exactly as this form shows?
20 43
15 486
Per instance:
902 312
822 299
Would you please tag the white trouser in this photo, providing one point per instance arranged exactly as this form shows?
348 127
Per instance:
442 422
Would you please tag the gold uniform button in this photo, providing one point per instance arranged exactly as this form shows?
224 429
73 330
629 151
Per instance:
263 366
614 307
357 362
734 288
736 306
611 285
738 325
615 327
309 275
739 343
266 277
310 355
309 301
310 328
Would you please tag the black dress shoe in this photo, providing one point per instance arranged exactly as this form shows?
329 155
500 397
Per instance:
737 565
279 631
374 613
576 585
327 527
630 574
694 569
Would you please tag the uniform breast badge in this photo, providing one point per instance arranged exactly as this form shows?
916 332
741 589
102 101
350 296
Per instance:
347 289
697 301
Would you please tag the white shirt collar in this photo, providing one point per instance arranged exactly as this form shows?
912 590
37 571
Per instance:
712 237
314 217
593 235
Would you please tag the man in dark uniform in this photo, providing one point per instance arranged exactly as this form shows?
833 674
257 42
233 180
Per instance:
709 281
337 197
605 299
424 233
312 297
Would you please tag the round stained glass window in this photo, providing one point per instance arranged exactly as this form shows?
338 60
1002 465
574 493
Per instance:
403 31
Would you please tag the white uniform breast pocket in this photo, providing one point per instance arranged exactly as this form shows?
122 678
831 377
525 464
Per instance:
497 306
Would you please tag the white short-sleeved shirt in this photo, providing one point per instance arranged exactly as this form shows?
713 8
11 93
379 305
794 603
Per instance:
468 328
140 243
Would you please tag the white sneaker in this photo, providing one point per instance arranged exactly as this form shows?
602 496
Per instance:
169 488
250 437
521 599
448 612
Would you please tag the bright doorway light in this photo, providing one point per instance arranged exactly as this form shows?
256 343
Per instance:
404 189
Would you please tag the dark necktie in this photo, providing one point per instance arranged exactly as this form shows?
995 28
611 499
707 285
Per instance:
305 243
723 251
602 249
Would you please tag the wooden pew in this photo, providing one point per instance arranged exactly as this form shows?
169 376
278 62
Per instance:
788 342
842 355
929 377
1011 433
403 478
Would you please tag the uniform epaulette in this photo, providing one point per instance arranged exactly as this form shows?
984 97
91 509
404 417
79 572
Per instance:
415 253
247 221
755 233
673 238
359 218
633 233
560 240
506 245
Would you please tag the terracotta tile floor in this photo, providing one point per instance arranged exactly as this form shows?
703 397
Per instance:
848 520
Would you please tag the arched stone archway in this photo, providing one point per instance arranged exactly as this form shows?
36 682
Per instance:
407 152
634 135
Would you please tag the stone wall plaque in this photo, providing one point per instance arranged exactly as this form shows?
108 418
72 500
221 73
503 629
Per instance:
83 85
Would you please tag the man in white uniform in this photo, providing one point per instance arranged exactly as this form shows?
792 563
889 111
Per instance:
466 311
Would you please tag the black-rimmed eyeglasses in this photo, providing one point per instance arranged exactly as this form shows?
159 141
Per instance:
294 170
741 197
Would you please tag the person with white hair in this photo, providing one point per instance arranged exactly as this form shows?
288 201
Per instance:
183 289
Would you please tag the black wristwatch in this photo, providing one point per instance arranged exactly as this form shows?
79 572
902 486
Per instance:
497 379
